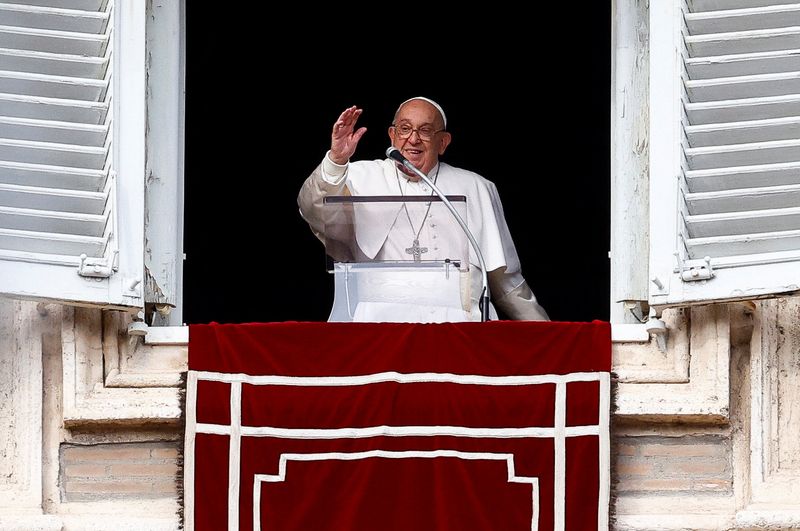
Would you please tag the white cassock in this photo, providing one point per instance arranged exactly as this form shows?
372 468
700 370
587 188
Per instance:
388 237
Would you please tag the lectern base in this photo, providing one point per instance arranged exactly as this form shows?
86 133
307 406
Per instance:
434 292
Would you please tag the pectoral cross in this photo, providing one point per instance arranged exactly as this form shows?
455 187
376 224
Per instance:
416 250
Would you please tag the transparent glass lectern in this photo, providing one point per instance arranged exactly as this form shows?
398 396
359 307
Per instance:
397 259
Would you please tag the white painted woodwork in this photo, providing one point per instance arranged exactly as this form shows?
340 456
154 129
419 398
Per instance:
665 144
629 333
179 335
72 134
629 157
164 170
725 176
129 129
170 335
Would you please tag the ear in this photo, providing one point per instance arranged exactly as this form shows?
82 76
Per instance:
444 141
391 134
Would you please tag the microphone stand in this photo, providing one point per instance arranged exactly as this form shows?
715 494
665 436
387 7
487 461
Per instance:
484 299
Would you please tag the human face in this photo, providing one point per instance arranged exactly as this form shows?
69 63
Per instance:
424 154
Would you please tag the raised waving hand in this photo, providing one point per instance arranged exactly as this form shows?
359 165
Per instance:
345 136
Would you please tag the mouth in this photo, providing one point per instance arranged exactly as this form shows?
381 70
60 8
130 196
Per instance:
413 153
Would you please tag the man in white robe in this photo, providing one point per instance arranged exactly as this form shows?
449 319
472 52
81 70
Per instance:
419 131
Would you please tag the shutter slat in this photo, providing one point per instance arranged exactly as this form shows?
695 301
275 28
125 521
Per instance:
84 5
32 197
84 112
53 41
743 154
698 6
53 63
742 132
750 18
54 222
69 155
48 86
740 87
759 198
50 243
741 64
52 131
743 42
743 109
761 248
51 18
743 176
52 176
738 223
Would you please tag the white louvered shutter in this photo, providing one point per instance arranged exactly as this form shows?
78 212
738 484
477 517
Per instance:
725 149
71 150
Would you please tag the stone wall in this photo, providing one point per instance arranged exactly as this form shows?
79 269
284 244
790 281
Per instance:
706 431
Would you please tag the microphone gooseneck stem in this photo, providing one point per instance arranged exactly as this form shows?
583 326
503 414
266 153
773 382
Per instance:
484 300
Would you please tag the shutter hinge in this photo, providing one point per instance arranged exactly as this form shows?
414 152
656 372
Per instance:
692 270
102 268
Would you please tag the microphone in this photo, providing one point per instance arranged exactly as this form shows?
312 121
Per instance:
394 154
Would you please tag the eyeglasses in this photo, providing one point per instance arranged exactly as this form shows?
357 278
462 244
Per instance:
425 132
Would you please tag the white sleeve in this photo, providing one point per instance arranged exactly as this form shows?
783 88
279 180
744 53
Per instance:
520 303
510 292
333 173
327 179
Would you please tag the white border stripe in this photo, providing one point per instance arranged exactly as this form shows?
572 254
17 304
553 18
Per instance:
397 431
234 453
188 450
353 456
418 377
560 458
604 451
257 501
558 433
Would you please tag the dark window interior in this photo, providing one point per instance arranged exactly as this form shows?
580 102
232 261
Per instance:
528 107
